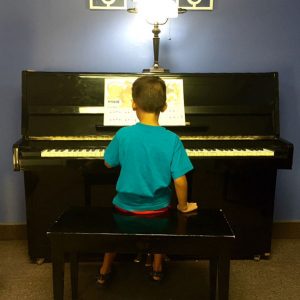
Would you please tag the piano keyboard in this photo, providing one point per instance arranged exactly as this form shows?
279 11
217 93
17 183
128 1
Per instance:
229 152
73 153
99 153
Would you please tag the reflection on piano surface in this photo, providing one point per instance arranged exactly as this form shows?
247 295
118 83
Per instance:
231 134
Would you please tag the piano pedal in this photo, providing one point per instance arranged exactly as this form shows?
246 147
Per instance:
167 258
148 259
148 262
138 258
257 257
39 261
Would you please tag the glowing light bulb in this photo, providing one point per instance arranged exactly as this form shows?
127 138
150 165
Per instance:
157 11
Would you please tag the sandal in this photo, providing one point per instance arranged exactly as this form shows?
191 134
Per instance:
103 279
157 276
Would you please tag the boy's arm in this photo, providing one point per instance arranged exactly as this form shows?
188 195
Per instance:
181 186
111 154
107 165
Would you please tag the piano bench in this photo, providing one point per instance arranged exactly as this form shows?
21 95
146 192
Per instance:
205 233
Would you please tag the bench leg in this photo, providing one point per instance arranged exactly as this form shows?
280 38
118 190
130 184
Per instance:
74 275
223 277
57 272
213 268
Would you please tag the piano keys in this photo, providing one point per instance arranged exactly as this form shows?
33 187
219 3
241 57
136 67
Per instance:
81 153
197 148
232 136
191 152
99 153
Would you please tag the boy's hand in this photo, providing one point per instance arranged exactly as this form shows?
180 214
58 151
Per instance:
190 206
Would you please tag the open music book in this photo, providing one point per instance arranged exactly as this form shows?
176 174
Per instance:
117 103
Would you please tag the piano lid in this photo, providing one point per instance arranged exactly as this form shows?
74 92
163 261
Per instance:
223 104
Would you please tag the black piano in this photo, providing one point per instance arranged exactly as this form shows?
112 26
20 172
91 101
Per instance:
231 134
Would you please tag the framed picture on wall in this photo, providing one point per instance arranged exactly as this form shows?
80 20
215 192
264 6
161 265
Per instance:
196 4
108 4
124 4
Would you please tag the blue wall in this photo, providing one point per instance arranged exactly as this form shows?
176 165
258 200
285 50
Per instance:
63 35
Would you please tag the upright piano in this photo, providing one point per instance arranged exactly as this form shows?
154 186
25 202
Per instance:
231 135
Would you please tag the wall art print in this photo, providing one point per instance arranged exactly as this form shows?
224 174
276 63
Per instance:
124 4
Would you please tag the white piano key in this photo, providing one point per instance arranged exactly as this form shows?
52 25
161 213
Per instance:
98 153
229 152
204 152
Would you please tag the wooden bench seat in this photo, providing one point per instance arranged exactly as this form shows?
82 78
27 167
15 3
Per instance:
205 234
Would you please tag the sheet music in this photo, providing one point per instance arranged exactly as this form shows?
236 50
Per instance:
117 103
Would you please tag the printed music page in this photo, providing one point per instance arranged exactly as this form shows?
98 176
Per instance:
117 103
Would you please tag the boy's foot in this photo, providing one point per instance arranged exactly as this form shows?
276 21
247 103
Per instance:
103 279
156 276
104 276
138 258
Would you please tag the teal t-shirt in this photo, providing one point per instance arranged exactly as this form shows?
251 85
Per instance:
150 157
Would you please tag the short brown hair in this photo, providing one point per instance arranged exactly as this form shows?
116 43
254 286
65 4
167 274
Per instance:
149 93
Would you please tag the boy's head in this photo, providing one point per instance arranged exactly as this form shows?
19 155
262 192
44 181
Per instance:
149 94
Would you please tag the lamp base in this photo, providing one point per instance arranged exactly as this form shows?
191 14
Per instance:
156 70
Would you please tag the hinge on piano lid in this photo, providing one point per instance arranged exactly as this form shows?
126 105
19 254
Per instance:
16 163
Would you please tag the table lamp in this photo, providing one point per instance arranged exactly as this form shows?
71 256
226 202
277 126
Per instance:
156 13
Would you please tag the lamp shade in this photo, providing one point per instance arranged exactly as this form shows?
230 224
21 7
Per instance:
157 11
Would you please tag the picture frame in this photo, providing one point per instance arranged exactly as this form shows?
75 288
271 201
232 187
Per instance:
196 4
193 5
108 4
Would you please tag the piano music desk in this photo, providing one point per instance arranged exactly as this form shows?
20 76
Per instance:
205 234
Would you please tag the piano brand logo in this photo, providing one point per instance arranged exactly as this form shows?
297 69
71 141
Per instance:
125 4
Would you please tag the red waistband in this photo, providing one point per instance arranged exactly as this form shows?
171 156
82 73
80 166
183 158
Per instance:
145 212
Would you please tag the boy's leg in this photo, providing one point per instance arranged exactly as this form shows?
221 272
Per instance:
107 262
157 266
105 270
157 262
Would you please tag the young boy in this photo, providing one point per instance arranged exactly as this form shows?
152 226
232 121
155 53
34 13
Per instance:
150 156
